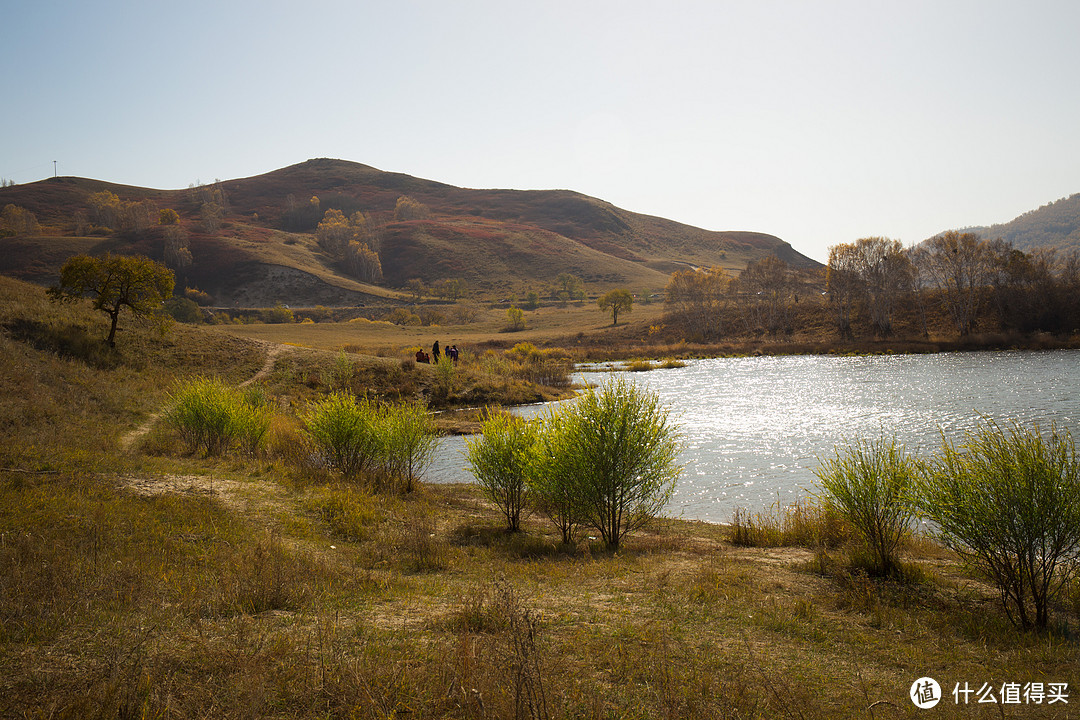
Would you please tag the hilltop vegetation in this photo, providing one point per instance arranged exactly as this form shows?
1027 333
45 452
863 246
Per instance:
1054 225
339 233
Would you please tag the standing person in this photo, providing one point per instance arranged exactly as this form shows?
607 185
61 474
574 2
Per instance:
435 351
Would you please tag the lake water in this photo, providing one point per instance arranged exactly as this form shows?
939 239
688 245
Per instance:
754 428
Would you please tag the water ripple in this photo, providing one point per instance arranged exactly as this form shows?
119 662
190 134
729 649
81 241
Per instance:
755 427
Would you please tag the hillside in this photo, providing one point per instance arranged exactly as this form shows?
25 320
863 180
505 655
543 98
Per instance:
1056 224
261 247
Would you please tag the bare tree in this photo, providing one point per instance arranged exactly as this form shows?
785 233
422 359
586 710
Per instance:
959 264
764 291
698 297
843 286
886 274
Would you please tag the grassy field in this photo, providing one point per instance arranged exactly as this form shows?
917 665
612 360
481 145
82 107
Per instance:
544 325
140 581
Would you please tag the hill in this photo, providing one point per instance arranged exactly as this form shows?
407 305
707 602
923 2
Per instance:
252 240
1056 224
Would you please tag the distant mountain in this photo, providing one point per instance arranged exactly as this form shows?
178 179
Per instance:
1056 224
263 248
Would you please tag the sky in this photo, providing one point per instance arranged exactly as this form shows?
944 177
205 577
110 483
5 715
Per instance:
818 121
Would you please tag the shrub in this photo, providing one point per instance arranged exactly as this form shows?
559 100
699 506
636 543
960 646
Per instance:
402 316
617 450
277 315
385 443
868 483
183 310
214 418
552 485
409 441
344 432
515 320
1008 501
501 459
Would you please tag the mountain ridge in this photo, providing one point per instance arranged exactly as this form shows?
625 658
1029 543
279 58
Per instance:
495 240
1056 224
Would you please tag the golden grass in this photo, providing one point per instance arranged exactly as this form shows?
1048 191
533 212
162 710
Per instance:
546 324
165 587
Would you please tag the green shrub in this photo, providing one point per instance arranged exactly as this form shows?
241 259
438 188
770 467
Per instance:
214 418
409 441
1008 501
868 482
344 432
385 444
612 456
502 459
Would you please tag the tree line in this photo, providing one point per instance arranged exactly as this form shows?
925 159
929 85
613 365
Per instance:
973 283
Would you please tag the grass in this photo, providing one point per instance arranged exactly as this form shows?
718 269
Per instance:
177 586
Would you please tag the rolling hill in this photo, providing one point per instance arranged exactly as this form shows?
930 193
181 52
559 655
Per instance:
1056 224
261 247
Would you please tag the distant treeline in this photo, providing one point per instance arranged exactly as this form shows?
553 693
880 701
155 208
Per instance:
955 282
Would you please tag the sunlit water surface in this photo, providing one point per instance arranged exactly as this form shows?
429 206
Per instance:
754 428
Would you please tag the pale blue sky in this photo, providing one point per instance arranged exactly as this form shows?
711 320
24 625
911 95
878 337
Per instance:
820 122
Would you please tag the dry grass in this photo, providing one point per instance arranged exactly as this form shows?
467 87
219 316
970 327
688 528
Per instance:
165 587
544 325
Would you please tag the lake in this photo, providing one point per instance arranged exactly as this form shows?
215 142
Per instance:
755 427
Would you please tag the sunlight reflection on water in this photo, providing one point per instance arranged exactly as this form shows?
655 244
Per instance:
755 427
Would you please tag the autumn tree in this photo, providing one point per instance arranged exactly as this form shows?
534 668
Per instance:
345 239
697 297
212 215
16 220
843 286
764 291
886 274
177 249
104 208
408 208
515 319
571 287
960 265
363 263
615 302
109 211
115 282
451 288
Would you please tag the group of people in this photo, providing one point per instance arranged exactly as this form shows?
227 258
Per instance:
436 353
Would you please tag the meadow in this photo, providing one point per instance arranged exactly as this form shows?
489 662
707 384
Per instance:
139 579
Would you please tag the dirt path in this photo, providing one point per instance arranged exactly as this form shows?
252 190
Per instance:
273 351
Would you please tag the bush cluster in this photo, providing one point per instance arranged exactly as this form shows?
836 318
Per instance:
371 443
606 461
1007 501
214 418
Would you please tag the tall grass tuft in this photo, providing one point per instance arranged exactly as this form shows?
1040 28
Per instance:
800 524
214 418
